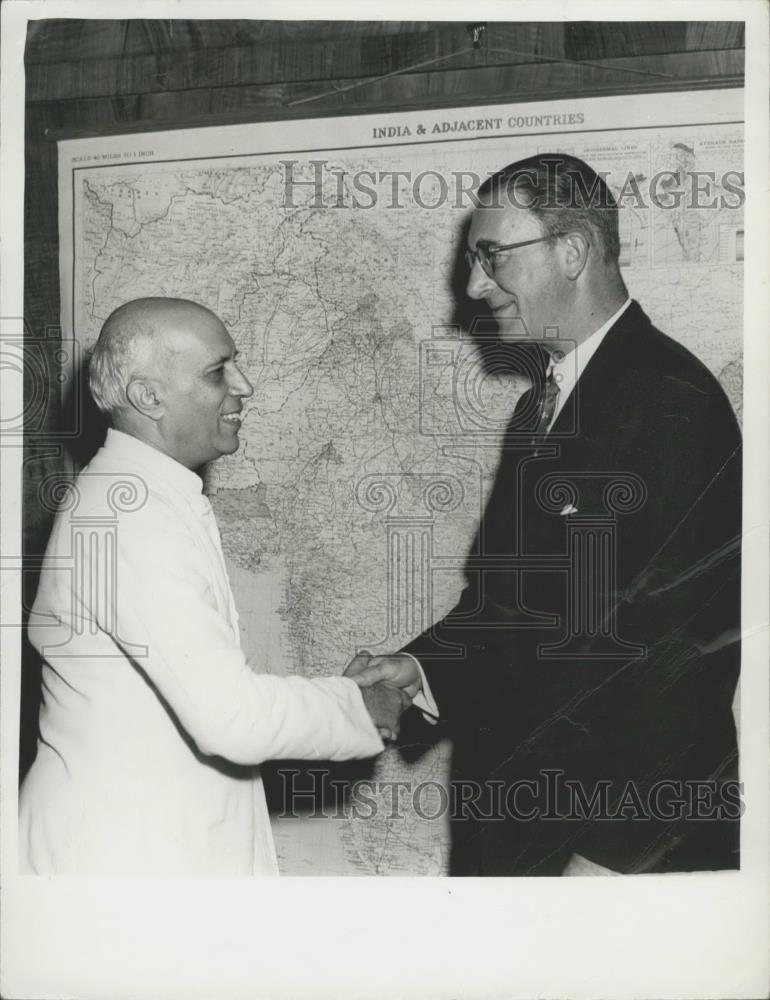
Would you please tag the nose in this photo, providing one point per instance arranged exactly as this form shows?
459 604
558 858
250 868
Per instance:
479 283
239 384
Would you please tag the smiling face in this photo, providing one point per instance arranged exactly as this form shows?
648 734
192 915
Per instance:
529 292
202 390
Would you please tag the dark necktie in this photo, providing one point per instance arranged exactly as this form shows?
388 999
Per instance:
548 403
535 408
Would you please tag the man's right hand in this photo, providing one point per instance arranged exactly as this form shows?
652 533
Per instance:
398 669
385 703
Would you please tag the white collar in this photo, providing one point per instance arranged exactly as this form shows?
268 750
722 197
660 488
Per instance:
569 368
121 447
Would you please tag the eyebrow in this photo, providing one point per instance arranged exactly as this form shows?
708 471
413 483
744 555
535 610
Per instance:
221 360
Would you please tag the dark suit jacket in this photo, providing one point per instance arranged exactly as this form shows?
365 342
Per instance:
608 655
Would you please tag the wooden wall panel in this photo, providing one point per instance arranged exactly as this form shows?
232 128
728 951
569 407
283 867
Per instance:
314 61
153 107
56 40
592 40
275 62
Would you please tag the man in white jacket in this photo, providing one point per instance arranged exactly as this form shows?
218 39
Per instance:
152 722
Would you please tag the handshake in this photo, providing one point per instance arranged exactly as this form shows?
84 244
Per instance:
388 684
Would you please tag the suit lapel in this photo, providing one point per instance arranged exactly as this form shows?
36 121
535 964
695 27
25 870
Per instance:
588 412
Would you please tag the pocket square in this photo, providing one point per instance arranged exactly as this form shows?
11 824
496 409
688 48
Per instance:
569 509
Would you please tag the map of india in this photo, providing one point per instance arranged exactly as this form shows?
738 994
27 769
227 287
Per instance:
371 440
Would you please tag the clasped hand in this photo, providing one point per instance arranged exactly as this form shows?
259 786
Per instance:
388 684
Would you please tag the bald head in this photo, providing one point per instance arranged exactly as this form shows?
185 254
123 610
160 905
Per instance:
139 339
165 371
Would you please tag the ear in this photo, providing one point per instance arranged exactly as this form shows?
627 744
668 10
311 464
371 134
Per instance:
575 250
145 397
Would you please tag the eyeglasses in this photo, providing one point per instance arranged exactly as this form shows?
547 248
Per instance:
485 254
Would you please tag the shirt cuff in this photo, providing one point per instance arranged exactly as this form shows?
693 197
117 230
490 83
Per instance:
424 699
578 865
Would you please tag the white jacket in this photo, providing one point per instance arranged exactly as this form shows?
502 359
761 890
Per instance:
152 721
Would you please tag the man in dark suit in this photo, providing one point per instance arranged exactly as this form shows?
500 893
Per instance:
587 673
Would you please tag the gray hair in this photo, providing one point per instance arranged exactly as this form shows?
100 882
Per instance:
131 346
121 354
